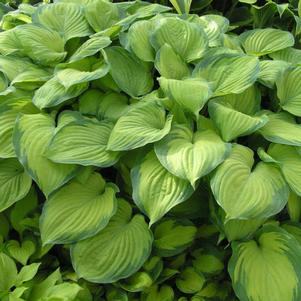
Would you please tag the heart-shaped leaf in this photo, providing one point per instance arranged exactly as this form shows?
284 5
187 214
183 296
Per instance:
21 252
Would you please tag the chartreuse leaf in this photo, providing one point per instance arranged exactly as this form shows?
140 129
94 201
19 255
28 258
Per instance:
264 41
8 275
9 110
83 142
90 47
289 161
290 55
109 14
27 273
131 75
43 46
21 251
31 138
272 252
171 237
190 281
230 118
89 102
208 262
271 71
139 40
282 128
248 192
187 39
294 207
191 94
144 123
190 155
229 72
14 182
78 210
155 190
53 93
181 6
116 252
155 293
289 90
169 64
65 18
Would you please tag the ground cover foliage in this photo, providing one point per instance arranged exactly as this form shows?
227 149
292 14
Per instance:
150 151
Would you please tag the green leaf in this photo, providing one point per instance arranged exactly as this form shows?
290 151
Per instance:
155 190
144 123
65 18
191 155
164 293
89 48
138 40
281 128
31 137
181 6
116 252
21 251
290 55
187 39
190 281
271 71
53 93
78 211
131 75
231 122
294 207
83 142
99 21
273 252
172 237
191 94
289 161
27 273
228 73
170 65
8 275
14 182
208 263
264 41
289 90
248 192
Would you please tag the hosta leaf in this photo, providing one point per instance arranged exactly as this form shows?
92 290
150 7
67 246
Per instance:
116 252
130 74
66 18
8 276
155 190
144 123
31 138
89 102
169 64
289 90
90 47
190 155
14 182
78 211
245 192
190 281
53 93
191 94
83 142
289 161
282 128
264 41
271 71
21 251
138 40
181 6
155 293
70 77
294 207
228 73
187 39
109 14
231 122
290 55
45 47
273 252
171 237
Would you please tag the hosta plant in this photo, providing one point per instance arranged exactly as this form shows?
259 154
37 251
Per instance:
148 153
